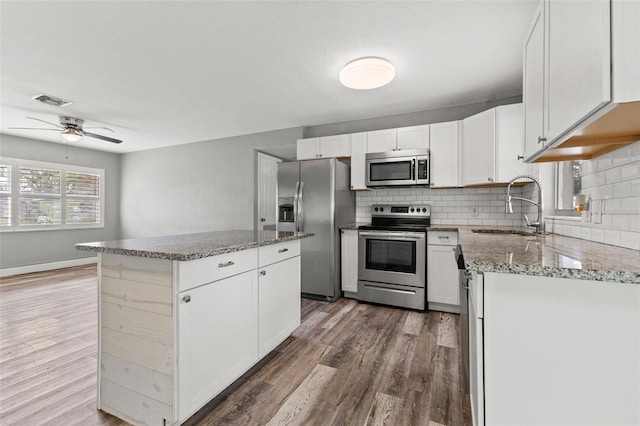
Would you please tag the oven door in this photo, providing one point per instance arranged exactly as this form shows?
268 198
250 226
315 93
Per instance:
391 171
392 257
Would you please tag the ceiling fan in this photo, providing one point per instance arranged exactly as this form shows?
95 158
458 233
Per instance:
71 129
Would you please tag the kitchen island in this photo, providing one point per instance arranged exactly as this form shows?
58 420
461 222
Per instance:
554 329
182 317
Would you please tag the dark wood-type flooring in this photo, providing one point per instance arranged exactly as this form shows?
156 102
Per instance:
349 363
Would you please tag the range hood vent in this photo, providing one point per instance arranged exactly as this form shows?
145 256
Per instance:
617 127
51 100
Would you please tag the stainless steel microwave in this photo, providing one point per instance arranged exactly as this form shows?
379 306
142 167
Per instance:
397 168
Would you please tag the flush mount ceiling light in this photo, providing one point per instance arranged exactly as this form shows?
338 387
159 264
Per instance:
367 73
71 135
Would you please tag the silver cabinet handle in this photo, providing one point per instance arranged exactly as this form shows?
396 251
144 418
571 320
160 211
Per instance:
541 139
490 179
443 237
224 265
282 250
186 299
263 273
520 157
262 219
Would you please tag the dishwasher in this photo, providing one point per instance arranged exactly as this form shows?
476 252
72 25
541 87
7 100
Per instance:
463 282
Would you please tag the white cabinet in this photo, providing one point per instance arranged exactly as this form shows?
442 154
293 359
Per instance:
492 146
442 272
358 154
533 97
324 147
444 139
217 338
414 137
279 303
349 262
567 67
382 140
476 349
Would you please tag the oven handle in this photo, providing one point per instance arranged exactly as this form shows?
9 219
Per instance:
395 235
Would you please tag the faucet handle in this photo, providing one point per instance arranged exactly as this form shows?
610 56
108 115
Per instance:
526 219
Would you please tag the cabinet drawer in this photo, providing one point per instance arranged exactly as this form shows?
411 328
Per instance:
443 238
276 252
193 273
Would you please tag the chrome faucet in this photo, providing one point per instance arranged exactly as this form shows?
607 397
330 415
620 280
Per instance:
539 223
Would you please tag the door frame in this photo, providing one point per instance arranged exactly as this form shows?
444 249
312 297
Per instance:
256 187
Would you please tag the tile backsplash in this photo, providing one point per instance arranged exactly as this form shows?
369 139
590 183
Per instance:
612 184
456 206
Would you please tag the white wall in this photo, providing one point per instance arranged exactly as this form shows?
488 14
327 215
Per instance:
197 187
614 181
24 248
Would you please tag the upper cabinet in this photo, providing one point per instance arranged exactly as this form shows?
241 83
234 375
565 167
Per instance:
358 153
404 138
445 147
414 137
492 146
580 90
382 140
324 147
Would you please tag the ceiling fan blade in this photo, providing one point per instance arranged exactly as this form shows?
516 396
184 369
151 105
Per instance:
53 124
103 128
104 138
30 128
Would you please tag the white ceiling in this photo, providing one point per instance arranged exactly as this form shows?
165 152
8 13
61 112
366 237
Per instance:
174 72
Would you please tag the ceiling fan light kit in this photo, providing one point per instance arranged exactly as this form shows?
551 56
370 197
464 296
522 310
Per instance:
367 73
71 135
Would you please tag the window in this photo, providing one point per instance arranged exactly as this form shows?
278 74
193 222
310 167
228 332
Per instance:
568 184
37 195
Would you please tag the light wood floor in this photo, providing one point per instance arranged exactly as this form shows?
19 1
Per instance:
347 364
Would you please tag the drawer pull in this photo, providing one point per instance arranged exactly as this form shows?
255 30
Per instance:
263 273
443 237
282 250
224 265
186 299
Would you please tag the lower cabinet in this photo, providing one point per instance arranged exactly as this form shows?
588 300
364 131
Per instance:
217 335
349 262
442 272
279 303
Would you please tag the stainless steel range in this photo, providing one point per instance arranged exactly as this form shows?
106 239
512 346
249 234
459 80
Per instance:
392 256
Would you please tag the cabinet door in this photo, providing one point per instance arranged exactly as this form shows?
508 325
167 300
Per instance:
579 61
444 141
308 148
478 148
279 309
509 143
414 137
217 338
476 363
442 275
349 260
335 146
381 140
358 153
533 95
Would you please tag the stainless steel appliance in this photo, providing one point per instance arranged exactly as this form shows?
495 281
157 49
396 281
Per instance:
397 168
392 256
314 196
463 281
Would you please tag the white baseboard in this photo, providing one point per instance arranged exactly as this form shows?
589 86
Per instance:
6 272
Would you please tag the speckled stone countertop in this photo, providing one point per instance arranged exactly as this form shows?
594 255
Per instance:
548 255
191 246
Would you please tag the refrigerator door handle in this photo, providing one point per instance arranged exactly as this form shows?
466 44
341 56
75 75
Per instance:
296 202
301 208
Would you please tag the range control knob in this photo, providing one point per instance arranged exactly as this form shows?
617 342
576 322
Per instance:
376 209
381 209
412 209
424 210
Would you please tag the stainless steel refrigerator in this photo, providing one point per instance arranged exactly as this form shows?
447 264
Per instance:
314 196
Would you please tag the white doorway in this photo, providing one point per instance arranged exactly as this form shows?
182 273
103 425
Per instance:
267 174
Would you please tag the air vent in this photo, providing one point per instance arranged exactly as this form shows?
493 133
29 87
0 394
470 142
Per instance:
50 100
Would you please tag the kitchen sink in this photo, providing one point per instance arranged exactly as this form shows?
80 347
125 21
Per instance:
506 231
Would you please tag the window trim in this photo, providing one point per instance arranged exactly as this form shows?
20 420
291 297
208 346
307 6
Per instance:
566 213
17 163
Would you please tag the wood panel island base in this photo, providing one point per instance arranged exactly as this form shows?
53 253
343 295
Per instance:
183 317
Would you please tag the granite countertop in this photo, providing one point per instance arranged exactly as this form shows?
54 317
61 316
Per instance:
192 246
353 226
547 255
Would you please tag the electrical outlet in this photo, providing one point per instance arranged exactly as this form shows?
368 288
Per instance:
475 211
596 211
